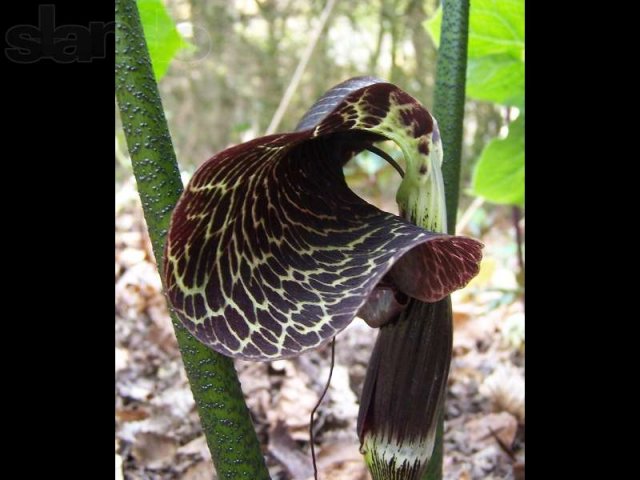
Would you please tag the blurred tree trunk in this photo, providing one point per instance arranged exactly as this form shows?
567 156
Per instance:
375 56
424 48
273 86
214 28
390 12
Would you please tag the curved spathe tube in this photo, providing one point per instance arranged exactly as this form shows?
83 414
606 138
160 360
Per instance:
269 252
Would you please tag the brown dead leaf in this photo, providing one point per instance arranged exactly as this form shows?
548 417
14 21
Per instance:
460 318
472 327
341 460
503 425
197 453
129 238
128 257
131 414
343 402
518 470
161 332
136 287
177 401
154 450
122 358
465 476
141 389
294 403
200 471
158 425
125 222
254 378
287 452
197 446
505 388
351 470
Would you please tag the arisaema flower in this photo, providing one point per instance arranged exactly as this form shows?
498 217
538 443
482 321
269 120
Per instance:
404 391
269 252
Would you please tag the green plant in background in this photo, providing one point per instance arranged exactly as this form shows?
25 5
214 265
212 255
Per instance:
161 35
495 74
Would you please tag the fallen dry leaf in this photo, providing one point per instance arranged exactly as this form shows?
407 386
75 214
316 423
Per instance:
140 390
465 476
285 449
344 404
503 425
200 471
342 460
153 449
132 414
293 404
130 257
518 470
198 446
136 287
505 388
122 359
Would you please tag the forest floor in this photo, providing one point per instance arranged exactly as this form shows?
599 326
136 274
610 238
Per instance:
158 435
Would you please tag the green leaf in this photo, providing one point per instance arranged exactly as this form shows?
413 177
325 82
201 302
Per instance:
499 174
495 27
495 70
434 25
163 40
496 78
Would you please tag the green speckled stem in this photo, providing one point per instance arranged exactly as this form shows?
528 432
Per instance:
448 105
225 418
448 109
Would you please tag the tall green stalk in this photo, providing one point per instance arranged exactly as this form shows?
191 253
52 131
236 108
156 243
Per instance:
225 418
448 103
448 109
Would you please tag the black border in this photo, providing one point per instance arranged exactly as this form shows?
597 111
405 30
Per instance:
58 231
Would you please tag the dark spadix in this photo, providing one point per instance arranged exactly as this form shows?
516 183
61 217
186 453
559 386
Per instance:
269 252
